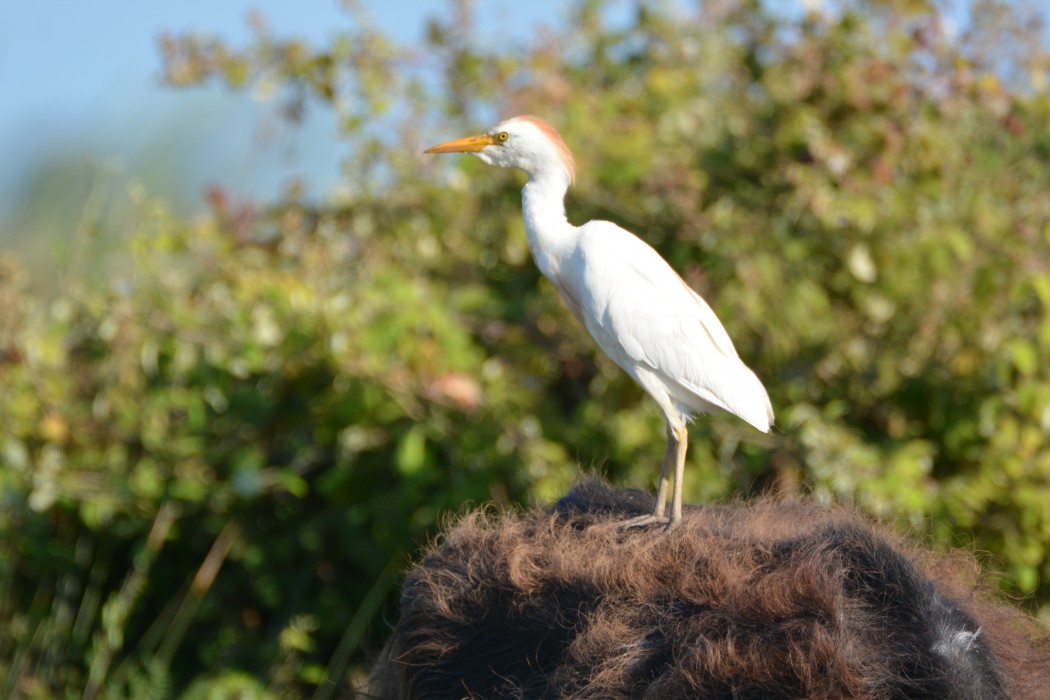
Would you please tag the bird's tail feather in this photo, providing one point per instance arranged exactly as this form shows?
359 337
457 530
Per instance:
744 396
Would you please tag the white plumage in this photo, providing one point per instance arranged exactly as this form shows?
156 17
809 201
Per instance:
637 308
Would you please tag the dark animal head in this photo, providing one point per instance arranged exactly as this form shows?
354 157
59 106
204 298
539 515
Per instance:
763 600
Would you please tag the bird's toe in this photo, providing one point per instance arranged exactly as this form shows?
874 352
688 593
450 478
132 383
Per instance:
644 521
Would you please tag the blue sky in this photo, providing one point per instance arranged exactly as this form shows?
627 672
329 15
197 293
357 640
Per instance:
81 80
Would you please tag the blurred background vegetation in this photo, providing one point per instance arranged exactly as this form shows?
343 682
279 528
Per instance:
223 436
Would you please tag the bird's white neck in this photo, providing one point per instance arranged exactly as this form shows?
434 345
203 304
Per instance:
548 230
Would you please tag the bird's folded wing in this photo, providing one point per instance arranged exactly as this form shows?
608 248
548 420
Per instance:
653 318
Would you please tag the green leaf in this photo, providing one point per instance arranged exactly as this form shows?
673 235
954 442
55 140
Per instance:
411 451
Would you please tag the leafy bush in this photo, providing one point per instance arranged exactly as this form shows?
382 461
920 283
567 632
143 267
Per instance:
216 464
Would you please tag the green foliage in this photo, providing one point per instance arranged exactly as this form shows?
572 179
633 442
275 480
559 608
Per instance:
214 465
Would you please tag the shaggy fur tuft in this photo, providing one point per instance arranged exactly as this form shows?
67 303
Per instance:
764 600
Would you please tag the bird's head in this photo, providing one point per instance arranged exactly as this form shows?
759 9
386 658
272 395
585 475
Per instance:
523 142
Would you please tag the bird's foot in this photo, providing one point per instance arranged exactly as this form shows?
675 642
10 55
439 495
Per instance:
645 521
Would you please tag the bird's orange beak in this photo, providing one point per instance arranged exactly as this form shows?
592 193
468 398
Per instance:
467 144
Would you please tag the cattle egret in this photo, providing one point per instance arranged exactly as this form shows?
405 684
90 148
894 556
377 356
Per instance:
640 312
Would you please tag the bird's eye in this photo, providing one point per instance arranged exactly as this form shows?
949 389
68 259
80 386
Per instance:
502 136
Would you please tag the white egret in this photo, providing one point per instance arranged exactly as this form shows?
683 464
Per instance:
637 308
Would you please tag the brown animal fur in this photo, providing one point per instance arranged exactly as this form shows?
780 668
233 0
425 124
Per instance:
765 600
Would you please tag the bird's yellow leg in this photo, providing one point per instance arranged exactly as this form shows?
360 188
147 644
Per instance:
657 516
665 474
681 443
